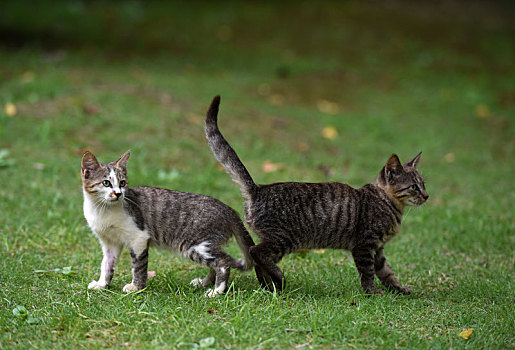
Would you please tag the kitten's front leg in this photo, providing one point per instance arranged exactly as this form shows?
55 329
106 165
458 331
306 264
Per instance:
385 274
364 260
139 255
111 255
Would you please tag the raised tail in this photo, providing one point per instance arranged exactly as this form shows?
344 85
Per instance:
224 153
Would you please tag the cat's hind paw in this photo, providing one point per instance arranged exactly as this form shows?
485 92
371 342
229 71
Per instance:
130 288
197 282
212 292
404 290
216 291
95 285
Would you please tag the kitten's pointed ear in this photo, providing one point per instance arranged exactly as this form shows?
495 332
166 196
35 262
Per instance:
122 162
89 163
414 161
393 165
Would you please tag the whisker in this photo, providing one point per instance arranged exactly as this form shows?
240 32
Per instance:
128 200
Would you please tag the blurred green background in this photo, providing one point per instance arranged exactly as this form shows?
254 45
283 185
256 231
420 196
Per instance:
311 91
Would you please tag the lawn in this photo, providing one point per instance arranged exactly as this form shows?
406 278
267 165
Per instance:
310 92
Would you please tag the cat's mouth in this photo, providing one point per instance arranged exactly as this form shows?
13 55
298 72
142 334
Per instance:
417 202
111 199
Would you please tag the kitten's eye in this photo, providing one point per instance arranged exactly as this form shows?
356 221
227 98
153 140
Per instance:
123 183
414 187
106 183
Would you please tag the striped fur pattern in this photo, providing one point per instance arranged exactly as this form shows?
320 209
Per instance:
290 216
194 225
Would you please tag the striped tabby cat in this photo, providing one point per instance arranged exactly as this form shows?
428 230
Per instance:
194 225
290 216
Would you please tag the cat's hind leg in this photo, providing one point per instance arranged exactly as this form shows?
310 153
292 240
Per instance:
221 282
206 281
266 255
221 264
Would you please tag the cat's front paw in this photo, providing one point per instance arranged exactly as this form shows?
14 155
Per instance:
130 288
95 285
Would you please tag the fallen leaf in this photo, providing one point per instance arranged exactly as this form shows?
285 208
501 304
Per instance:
206 342
10 109
38 166
465 334
319 251
302 147
328 107
195 119
449 157
482 111
27 77
269 167
91 109
151 274
276 99
21 312
329 132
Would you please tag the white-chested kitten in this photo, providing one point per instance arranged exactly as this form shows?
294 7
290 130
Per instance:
194 225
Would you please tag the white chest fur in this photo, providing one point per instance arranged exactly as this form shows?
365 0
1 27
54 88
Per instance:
112 224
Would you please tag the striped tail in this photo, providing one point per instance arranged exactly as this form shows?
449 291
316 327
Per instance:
224 153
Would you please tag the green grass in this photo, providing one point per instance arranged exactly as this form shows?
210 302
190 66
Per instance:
404 78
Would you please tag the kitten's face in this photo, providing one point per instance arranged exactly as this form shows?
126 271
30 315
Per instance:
404 181
105 182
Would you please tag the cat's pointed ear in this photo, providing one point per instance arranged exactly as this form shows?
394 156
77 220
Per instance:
89 163
414 161
393 166
122 162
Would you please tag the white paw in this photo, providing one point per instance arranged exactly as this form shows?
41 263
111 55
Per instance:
96 285
129 288
197 282
211 293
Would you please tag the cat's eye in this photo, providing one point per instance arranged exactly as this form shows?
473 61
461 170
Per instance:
106 183
414 187
123 183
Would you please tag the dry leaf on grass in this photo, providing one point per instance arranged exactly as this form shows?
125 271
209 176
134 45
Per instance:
329 132
482 111
10 109
269 167
328 107
465 334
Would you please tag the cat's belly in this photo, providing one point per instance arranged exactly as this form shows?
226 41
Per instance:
298 235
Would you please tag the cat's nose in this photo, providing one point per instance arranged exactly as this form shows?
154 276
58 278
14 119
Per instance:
425 196
117 194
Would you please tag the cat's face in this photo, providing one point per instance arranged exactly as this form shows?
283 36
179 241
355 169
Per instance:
404 182
105 182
